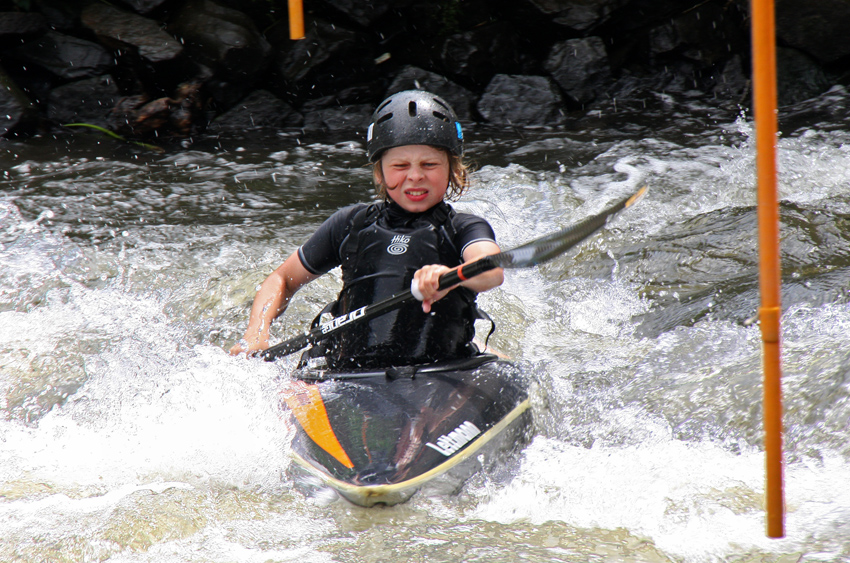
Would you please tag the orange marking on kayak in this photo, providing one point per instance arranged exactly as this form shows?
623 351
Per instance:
305 402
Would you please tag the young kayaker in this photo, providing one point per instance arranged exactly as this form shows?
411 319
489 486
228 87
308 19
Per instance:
415 144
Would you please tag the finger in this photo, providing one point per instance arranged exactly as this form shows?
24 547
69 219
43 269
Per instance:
424 285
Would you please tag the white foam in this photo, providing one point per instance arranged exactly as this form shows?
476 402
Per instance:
207 416
695 501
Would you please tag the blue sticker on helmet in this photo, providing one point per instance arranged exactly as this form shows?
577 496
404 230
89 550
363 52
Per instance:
459 131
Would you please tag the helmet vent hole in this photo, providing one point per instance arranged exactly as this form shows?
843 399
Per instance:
411 109
442 116
383 105
385 117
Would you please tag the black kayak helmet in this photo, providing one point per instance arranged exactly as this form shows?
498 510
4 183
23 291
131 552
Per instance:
413 117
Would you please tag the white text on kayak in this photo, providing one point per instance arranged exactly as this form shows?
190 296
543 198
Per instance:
456 439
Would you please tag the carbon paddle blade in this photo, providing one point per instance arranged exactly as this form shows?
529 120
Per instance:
543 249
548 247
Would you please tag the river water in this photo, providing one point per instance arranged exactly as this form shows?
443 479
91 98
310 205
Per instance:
128 434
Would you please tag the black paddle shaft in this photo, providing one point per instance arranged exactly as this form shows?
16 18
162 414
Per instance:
525 256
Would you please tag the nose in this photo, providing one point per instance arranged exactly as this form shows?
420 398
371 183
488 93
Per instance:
416 172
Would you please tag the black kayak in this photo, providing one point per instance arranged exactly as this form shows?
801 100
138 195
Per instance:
376 437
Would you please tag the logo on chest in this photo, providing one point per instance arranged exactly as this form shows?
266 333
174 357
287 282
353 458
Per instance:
398 245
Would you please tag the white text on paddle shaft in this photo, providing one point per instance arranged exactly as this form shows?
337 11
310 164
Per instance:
342 320
456 439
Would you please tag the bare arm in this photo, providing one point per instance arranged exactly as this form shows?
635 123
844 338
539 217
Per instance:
271 301
428 277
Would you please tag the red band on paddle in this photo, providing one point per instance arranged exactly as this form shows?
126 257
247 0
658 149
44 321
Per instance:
460 274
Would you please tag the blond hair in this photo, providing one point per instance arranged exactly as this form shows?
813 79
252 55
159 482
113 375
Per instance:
459 177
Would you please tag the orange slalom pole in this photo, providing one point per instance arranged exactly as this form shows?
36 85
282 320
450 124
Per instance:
296 19
764 98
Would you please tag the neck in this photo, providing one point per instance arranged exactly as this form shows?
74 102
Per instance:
397 216
396 210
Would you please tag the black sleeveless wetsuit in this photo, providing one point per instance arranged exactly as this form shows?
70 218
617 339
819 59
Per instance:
379 247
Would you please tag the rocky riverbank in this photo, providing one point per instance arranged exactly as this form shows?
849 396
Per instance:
176 69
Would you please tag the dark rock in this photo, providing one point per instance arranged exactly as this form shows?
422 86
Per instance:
349 109
364 13
414 78
33 80
85 101
816 27
799 77
17 113
637 15
60 15
709 33
144 6
212 55
733 81
580 67
21 25
368 93
148 60
683 76
260 110
522 100
354 118
222 38
477 55
580 15
329 58
124 30
67 57
230 52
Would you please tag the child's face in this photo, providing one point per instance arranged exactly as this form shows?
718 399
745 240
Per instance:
416 176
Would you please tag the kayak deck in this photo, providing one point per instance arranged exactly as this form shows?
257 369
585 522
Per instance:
378 437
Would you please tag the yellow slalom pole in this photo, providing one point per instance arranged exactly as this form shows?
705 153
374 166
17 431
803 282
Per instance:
764 97
296 19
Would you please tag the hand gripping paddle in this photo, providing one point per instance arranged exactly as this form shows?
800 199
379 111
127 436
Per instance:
525 256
